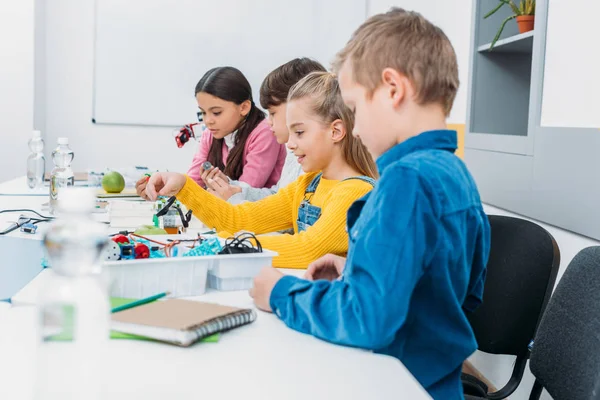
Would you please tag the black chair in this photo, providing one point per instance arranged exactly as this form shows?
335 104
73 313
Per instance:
565 358
521 273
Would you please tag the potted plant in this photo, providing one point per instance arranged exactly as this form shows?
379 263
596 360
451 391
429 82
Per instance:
524 14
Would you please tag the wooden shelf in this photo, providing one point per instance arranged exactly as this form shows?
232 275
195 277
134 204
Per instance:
522 43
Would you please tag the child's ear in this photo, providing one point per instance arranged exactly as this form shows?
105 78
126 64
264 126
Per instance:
395 85
338 131
245 108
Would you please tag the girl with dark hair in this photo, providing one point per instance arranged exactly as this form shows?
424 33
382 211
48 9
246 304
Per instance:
237 140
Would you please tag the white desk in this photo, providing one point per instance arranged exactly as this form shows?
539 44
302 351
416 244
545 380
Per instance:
264 360
21 253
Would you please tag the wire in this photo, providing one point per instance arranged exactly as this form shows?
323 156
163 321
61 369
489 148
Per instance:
26 210
167 247
241 243
17 225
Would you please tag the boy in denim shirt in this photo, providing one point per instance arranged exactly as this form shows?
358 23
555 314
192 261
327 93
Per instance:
419 242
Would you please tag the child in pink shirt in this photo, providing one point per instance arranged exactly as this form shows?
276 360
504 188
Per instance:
262 156
237 140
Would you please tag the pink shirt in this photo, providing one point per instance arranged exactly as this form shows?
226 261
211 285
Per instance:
263 157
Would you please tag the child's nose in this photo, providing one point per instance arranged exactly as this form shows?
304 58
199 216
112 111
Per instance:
291 144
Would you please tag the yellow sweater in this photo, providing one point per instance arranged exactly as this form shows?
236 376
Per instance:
279 212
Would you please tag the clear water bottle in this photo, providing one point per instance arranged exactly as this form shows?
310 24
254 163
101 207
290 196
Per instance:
73 304
62 175
36 162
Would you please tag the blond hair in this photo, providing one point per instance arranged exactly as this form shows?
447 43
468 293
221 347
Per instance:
409 43
323 90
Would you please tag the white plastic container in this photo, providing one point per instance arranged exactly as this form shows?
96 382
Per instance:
183 276
237 271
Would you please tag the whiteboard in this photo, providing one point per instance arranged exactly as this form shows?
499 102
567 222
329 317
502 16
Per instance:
571 80
149 54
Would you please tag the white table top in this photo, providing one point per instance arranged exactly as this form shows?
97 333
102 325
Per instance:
265 359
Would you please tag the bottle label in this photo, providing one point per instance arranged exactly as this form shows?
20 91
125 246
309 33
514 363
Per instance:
57 183
58 322
53 187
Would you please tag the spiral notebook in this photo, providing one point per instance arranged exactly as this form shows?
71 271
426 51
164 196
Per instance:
180 322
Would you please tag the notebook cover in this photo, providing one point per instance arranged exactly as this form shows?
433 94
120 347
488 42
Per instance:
119 301
174 314
115 302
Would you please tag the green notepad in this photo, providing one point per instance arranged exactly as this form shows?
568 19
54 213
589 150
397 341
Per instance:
67 334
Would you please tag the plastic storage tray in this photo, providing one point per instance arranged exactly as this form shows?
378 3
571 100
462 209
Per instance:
237 271
184 276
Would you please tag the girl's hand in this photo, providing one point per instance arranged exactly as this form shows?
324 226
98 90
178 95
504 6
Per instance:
222 188
164 184
210 174
140 187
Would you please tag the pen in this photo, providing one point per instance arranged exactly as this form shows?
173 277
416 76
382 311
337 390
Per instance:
139 302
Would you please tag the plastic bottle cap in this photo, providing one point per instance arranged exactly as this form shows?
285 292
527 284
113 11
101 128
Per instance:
37 134
63 140
76 199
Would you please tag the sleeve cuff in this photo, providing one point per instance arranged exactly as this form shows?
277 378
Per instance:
239 184
236 199
189 189
281 292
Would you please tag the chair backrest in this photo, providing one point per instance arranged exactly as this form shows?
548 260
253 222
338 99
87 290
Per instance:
521 273
565 357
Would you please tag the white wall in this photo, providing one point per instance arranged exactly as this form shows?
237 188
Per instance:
64 96
498 369
572 102
454 17
69 54
16 86
68 51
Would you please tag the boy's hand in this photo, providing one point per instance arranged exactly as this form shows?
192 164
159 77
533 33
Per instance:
329 267
221 188
164 184
264 283
140 187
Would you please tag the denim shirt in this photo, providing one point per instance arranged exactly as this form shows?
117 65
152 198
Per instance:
419 243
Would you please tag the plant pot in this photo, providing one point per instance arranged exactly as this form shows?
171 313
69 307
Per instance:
525 23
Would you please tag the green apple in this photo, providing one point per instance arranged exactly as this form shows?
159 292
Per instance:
147 230
113 182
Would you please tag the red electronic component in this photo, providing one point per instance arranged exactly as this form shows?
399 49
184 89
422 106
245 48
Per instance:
120 239
141 251
185 134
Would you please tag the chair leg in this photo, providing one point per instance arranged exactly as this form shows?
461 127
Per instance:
536 391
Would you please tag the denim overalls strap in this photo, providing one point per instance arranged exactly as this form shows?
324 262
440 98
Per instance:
309 214
312 186
363 178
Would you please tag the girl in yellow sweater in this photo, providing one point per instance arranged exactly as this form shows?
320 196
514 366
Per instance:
339 170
